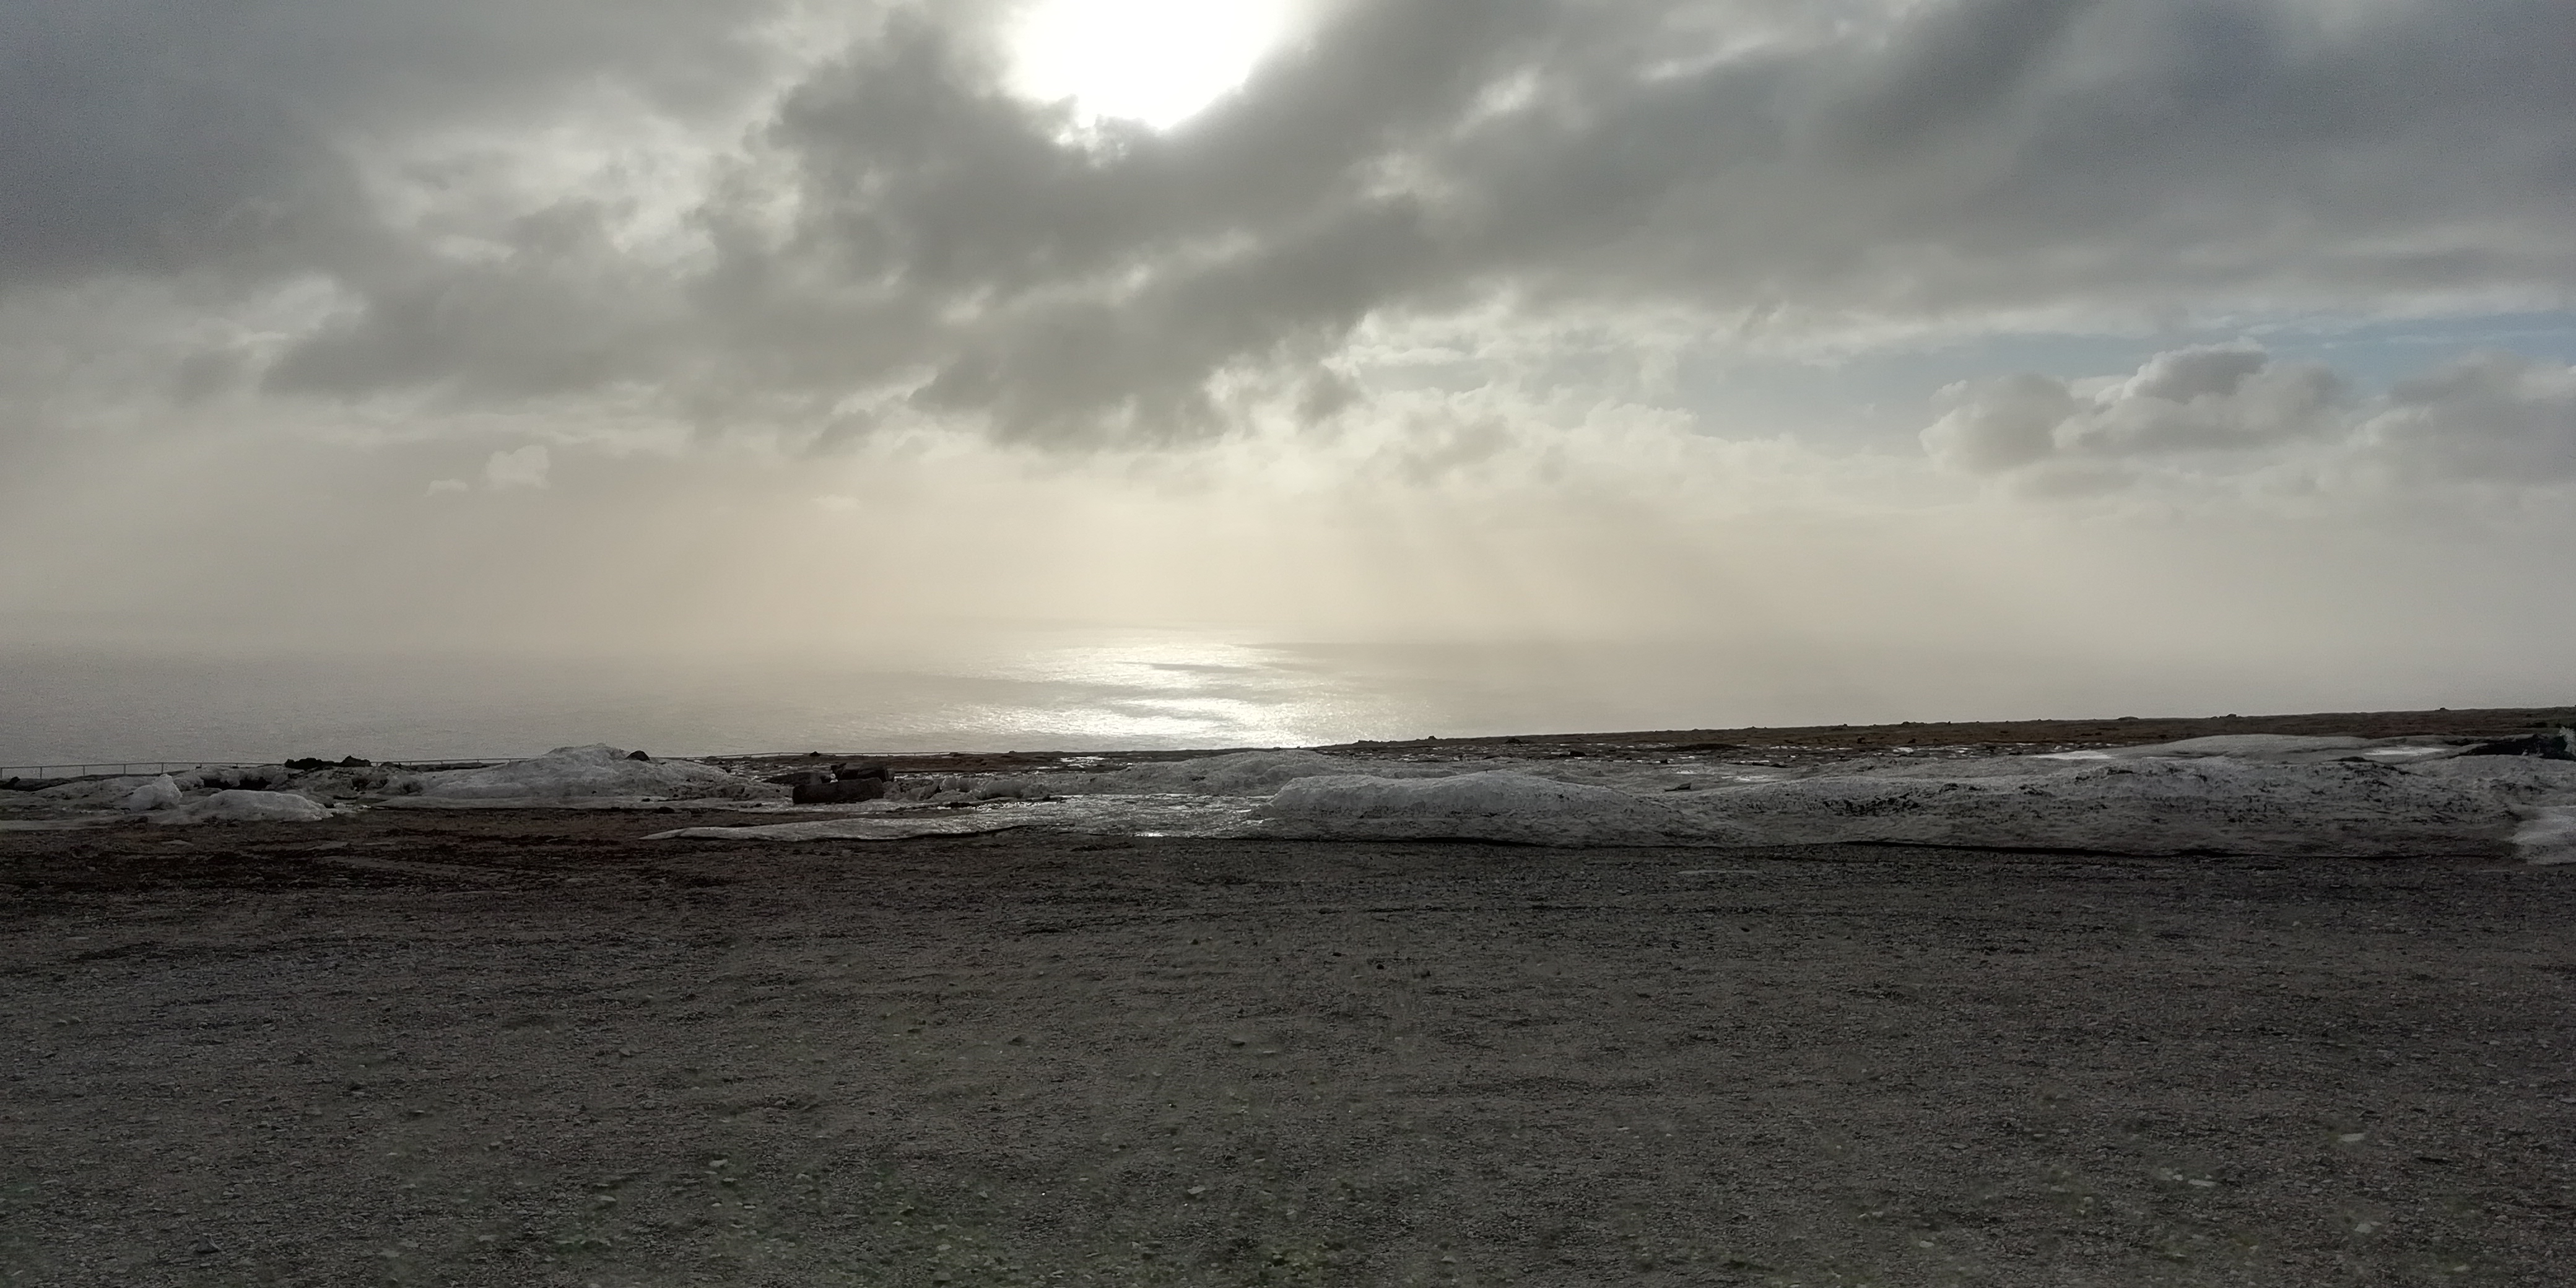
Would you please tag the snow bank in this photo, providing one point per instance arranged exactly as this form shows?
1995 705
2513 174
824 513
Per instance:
850 829
2548 835
99 793
2275 746
2201 804
1240 773
573 773
239 806
1496 805
113 793
2247 746
160 793
1167 815
2198 804
1243 773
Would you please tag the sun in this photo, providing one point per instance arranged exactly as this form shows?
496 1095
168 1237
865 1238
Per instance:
1158 62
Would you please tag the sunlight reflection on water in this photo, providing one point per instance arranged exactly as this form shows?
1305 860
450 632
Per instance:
1061 692
1139 692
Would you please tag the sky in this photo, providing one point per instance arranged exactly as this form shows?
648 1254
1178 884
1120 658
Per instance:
2038 357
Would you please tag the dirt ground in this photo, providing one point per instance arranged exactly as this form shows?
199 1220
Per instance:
525 1048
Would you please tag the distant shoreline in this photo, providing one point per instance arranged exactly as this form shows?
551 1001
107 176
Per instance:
1807 740
1800 741
2493 722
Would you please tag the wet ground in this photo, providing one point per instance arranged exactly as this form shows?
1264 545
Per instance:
514 1048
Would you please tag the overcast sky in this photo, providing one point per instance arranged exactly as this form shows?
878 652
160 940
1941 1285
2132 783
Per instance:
2228 338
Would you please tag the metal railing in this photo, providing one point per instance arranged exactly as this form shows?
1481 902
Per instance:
107 768
115 768
120 768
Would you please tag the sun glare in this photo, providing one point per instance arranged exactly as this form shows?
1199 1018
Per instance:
1154 61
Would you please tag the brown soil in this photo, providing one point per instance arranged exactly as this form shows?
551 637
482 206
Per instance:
507 1048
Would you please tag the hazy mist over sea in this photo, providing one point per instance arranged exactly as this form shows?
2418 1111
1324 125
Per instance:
439 379
1057 691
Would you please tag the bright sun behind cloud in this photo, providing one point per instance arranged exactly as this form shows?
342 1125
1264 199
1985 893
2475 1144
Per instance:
1154 61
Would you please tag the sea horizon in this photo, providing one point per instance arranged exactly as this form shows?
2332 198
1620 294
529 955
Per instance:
1102 691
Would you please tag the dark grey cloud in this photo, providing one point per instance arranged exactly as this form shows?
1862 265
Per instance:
898 227
148 137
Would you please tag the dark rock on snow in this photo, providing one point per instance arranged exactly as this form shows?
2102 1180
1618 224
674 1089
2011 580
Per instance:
841 791
2556 744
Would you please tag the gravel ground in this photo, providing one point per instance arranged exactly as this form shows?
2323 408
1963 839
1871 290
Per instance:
522 1048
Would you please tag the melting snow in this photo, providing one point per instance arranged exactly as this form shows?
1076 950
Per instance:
160 793
1103 815
575 773
2186 804
235 805
2548 835
1497 805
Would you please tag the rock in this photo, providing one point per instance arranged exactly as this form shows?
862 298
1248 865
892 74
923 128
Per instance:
637 755
863 770
2555 744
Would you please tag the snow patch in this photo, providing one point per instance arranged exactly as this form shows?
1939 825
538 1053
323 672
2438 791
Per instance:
98 793
598 770
160 793
1240 773
1243 773
2246 746
2547 835
849 829
236 805
1496 805
2197 804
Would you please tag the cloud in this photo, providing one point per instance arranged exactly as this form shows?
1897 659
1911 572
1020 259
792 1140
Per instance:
1462 319
2231 399
520 467
2490 418
154 138
683 209
2493 417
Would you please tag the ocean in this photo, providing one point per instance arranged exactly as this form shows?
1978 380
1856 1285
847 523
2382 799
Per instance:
64 705
1067 690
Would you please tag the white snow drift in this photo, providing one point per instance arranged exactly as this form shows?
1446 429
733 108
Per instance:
1496 805
2548 835
163 799
1240 773
2236 794
850 829
236 805
2156 805
578 773
160 793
